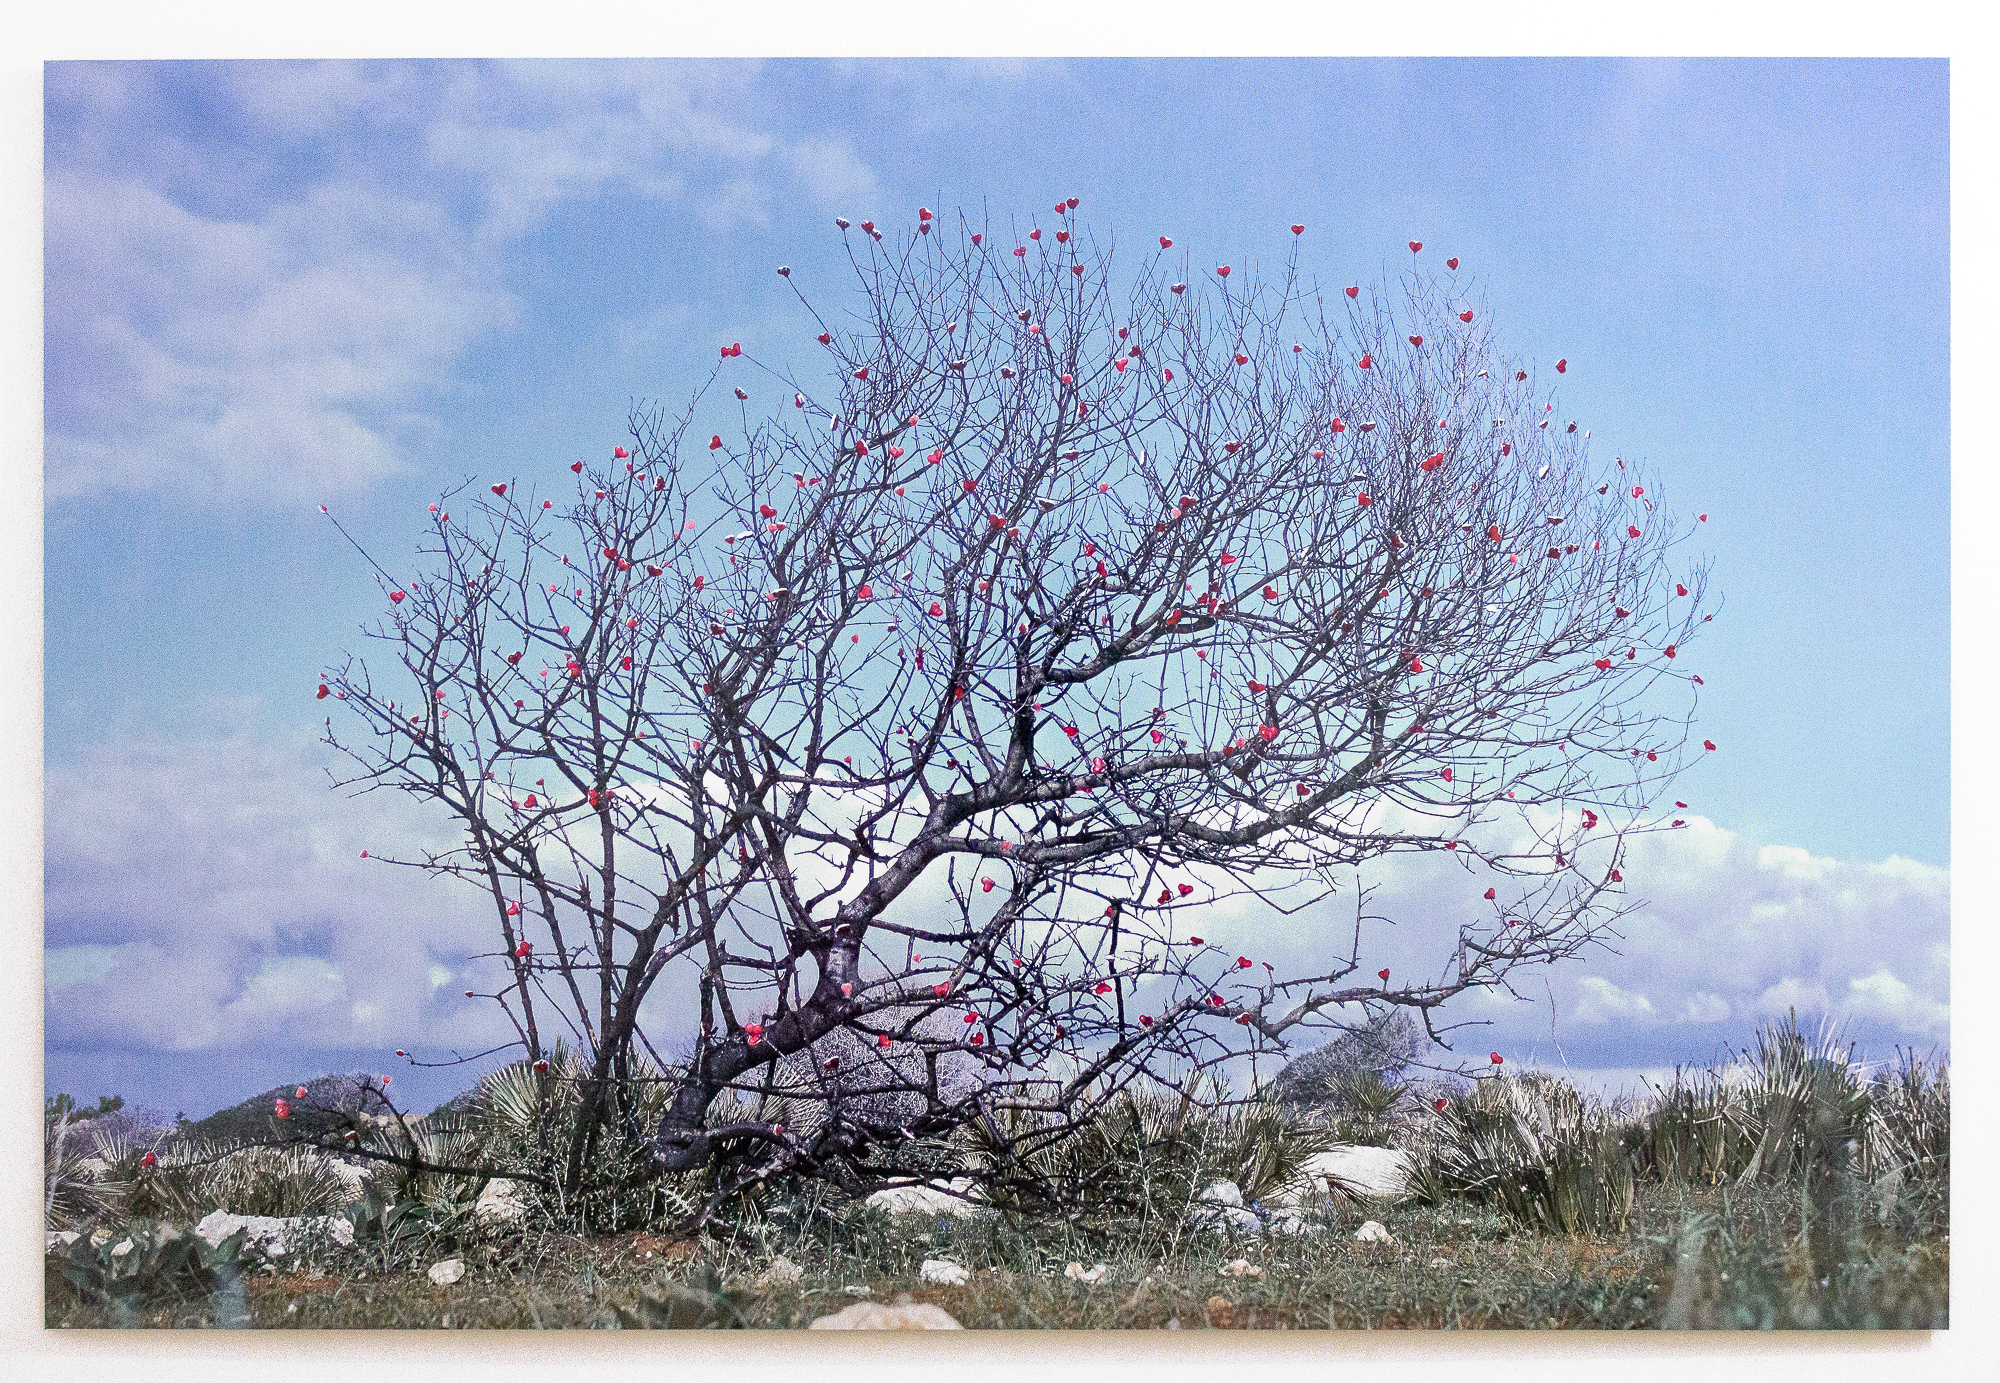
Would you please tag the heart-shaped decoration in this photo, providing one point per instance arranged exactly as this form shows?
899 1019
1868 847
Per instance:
576 467
1451 263
1298 229
1465 316
1035 234
1367 362
1354 290
1020 252
977 237
1416 245
1223 270
395 597
1416 340
1166 243
500 489
1062 237
1562 367
715 442
1073 202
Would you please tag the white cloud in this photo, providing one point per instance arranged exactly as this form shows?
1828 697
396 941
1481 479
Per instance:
1794 863
275 307
208 895
1882 995
212 895
1600 1001
1792 994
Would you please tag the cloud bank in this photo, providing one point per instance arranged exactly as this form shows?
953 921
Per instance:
263 278
212 897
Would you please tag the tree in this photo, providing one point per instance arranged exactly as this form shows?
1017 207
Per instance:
909 727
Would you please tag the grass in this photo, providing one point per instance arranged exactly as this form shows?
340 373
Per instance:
1688 1258
1790 1192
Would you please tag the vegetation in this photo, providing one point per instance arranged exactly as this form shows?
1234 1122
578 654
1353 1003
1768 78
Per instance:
1791 1189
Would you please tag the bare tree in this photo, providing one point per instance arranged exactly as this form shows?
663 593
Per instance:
923 714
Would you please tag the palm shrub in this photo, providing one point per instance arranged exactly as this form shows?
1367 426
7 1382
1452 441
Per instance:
1701 1129
1147 1152
1909 1130
1534 1147
520 1117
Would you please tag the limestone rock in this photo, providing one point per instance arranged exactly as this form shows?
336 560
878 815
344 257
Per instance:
1352 1172
932 1198
780 1272
500 1202
873 1315
1221 1207
1241 1267
1373 1232
446 1273
943 1273
272 1234
1089 1277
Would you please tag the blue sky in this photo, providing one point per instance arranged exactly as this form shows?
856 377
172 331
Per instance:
270 286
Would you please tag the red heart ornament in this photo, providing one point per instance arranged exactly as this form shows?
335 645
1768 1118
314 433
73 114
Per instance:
1416 245
1451 263
1298 229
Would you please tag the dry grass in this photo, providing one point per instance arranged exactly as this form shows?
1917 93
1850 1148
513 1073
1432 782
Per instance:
1451 1266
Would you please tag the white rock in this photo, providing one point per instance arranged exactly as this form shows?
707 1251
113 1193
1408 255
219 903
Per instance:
781 1272
1090 1277
932 1198
1351 1172
1373 1232
1291 1221
943 1273
61 1238
1440 1262
500 1202
445 1273
1221 1207
121 1248
870 1315
859 1291
273 1234
1241 1267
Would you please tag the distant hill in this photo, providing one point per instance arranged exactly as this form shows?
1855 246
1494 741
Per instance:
328 1100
